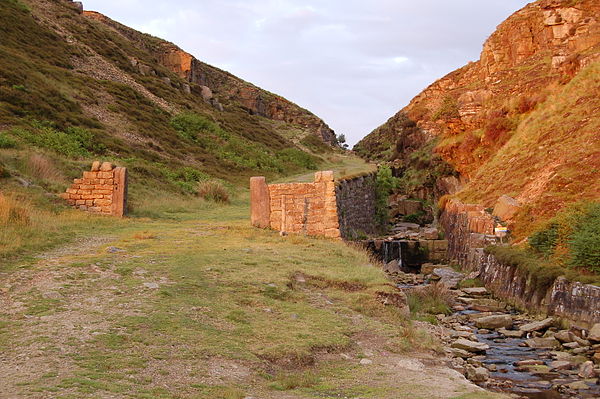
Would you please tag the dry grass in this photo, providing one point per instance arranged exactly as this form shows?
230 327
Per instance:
43 168
213 190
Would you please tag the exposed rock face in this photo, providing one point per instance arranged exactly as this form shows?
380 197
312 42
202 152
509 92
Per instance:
220 87
475 111
250 97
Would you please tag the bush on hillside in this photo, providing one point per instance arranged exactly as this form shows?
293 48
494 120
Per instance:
584 242
447 110
496 131
72 142
572 237
385 183
213 190
194 127
297 157
6 141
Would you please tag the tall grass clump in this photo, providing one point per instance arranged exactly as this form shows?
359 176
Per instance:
213 190
432 299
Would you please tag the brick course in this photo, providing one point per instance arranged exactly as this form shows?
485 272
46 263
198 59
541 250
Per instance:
102 190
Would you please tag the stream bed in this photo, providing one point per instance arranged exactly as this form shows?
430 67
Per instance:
531 358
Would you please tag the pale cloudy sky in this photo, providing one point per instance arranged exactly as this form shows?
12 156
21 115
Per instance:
354 63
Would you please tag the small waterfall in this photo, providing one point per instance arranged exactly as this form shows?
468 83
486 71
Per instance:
406 252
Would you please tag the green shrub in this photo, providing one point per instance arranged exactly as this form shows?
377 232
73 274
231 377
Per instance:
544 241
193 126
6 141
73 142
448 109
297 157
584 242
385 183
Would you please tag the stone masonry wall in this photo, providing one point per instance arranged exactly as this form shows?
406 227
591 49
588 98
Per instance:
321 208
469 230
356 204
308 208
101 190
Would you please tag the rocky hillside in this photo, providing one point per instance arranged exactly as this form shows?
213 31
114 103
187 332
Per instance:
522 120
77 86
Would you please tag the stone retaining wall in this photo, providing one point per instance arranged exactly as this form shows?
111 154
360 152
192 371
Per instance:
101 190
356 204
469 230
321 208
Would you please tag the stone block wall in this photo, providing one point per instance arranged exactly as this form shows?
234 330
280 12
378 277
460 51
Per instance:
356 204
469 230
101 190
321 208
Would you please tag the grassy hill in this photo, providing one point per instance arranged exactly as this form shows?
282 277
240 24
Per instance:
75 89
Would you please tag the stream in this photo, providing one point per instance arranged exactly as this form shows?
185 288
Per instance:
545 363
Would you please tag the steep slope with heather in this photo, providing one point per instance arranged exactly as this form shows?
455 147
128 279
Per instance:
520 121
78 86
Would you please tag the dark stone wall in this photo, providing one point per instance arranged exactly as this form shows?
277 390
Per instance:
356 206
572 300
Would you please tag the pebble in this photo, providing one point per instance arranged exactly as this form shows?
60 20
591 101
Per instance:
366 361
151 286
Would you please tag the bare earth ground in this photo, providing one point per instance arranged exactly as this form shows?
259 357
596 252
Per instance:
206 309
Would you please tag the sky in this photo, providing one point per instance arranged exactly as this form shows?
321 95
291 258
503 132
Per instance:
354 63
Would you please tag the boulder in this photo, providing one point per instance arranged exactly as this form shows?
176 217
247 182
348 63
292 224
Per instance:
594 334
537 325
578 385
511 333
392 266
430 233
448 277
206 93
494 321
542 343
427 268
477 374
564 336
529 362
561 365
469 346
506 207
586 370
475 291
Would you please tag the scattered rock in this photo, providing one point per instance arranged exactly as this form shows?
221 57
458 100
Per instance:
529 362
578 385
594 334
564 336
586 370
477 374
152 286
571 345
511 333
542 343
448 277
366 361
427 268
475 291
561 365
430 233
537 325
392 266
495 321
112 250
469 346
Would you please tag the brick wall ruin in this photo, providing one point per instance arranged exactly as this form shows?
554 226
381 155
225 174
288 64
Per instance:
321 208
101 190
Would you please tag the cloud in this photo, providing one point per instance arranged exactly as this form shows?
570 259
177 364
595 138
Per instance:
351 62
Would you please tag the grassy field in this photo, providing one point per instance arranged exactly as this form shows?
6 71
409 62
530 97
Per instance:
195 303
